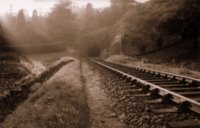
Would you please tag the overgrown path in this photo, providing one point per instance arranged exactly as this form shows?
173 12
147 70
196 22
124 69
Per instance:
72 98
101 114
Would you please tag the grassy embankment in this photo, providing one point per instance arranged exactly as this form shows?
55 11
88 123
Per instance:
59 102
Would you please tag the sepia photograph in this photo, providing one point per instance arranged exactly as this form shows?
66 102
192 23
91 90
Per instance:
99 63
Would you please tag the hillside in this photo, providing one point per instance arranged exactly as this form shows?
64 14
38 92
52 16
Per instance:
16 68
157 24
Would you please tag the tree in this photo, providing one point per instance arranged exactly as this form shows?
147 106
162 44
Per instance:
21 21
120 7
61 25
5 45
191 20
3 41
20 29
159 41
122 2
89 12
185 22
35 16
88 17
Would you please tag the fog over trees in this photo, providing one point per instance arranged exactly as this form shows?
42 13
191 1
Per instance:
126 27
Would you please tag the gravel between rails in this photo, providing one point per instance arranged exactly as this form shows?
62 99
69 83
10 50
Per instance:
133 111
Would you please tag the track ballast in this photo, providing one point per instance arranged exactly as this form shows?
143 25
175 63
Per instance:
163 87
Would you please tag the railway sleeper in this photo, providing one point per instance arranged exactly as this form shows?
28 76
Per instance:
153 78
182 107
159 80
196 99
190 93
128 87
164 83
157 99
142 76
184 89
154 101
194 83
184 124
144 95
133 91
174 86
165 110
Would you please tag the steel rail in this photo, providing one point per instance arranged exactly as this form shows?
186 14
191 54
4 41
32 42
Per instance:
177 98
162 73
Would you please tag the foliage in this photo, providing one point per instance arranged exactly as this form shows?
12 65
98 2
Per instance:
185 22
60 23
149 24
39 33
141 27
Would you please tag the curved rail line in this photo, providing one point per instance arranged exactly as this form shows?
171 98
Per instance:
185 91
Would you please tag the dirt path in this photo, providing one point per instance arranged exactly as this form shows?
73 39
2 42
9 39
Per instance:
101 115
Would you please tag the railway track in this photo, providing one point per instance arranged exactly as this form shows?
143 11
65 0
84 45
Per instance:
162 86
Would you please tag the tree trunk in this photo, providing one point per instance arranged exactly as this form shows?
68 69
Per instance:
196 43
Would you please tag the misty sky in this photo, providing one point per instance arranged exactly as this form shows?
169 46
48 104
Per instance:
44 6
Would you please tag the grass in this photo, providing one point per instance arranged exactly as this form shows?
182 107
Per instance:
58 103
